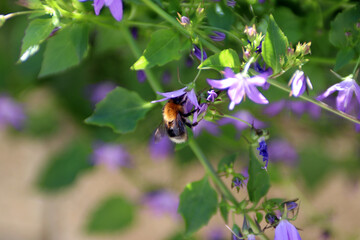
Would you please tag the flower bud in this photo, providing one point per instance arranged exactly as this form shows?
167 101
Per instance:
250 31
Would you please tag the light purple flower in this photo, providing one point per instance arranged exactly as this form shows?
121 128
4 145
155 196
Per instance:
162 202
299 83
185 20
346 88
162 149
11 112
141 76
297 107
211 95
216 234
217 36
197 52
244 115
111 155
231 3
286 231
239 85
251 237
280 150
99 91
210 127
115 6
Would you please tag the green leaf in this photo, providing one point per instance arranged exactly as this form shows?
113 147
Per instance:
198 202
226 163
66 49
289 23
343 57
112 215
36 32
219 15
274 46
62 169
344 22
259 181
226 58
120 110
164 46
224 210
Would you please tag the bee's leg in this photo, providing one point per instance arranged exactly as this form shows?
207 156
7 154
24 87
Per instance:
188 114
189 124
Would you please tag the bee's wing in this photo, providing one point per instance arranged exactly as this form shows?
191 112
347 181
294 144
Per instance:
180 125
160 132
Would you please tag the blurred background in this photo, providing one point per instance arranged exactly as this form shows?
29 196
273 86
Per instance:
56 172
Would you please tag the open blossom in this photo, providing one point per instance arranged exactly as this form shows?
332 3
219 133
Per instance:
346 88
11 112
212 95
115 7
111 155
286 231
239 85
299 83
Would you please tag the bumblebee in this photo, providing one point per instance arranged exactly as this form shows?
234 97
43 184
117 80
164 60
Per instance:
174 121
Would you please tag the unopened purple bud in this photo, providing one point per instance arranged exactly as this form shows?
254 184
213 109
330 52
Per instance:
198 54
141 76
218 36
134 32
231 3
271 218
211 95
291 205
189 62
348 34
185 20
166 77
54 31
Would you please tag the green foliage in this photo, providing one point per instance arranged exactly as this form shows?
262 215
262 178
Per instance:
259 181
198 202
219 15
113 214
226 163
66 49
120 110
224 210
289 23
36 32
164 46
343 57
274 46
64 168
219 61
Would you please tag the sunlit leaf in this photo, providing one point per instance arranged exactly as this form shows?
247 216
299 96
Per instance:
226 58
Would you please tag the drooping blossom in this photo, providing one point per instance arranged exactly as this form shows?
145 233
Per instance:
111 155
201 55
345 89
286 231
115 7
161 150
211 95
281 150
99 91
11 112
141 76
299 83
162 202
217 36
244 115
239 85
263 151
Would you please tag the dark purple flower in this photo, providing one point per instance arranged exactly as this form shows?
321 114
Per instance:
99 91
217 36
346 88
11 112
240 85
244 115
141 76
134 32
162 149
166 77
197 52
286 231
271 218
299 83
162 202
280 150
189 62
259 48
237 182
231 3
111 155
115 6
263 151
291 205
211 95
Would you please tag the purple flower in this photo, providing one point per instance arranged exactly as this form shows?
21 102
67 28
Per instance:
357 126
162 149
111 155
299 83
166 77
189 62
231 3
211 95
11 113
297 107
210 127
244 115
286 231
271 218
99 91
263 151
280 150
141 76
346 88
291 205
115 6
197 52
240 85
237 183
251 237
185 20
162 202
218 36
216 234
134 32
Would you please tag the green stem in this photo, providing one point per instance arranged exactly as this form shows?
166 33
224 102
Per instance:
255 228
318 103
10 15
356 66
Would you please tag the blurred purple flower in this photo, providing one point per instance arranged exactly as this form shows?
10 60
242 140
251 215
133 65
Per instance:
162 202
99 91
231 3
299 83
237 183
111 155
251 237
211 95
210 127
263 151
11 112
189 62
280 150
297 107
141 76
197 53
185 20
240 85
286 231
244 115
115 6
216 234
291 205
346 88
261 1
161 150
166 77
217 36
134 32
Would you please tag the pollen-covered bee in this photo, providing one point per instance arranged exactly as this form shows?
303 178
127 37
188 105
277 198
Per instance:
174 121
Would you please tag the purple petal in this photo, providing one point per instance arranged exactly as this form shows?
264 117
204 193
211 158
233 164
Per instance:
141 76
244 115
11 112
274 108
357 91
197 53
286 231
343 99
222 84
210 127
228 73
280 150
330 90
298 107
259 80
192 98
98 5
162 202
99 91
161 150
173 94
116 9
236 93
298 84
218 36
255 95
